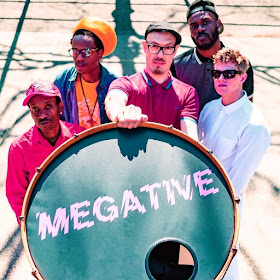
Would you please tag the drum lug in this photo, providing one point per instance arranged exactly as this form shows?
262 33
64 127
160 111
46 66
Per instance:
21 218
35 273
75 135
210 152
171 126
234 250
38 169
237 200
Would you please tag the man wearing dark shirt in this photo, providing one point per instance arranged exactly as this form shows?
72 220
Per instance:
194 66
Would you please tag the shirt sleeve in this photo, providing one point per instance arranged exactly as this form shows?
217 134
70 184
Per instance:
200 128
17 180
122 83
190 108
251 148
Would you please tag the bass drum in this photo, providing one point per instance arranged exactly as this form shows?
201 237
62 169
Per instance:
146 203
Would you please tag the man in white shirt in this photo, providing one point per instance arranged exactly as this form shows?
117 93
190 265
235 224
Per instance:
232 126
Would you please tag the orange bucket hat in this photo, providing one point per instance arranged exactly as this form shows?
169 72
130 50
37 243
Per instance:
102 29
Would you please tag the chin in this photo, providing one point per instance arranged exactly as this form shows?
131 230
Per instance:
158 71
81 71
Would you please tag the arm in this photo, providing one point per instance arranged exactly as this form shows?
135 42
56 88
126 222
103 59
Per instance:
250 151
189 127
189 114
117 111
17 180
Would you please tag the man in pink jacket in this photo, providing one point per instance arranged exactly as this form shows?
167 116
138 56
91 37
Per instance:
29 150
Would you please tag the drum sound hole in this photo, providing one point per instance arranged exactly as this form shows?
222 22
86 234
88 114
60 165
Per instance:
170 260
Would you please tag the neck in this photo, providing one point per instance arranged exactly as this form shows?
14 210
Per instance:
158 78
51 135
209 53
92 77
231 98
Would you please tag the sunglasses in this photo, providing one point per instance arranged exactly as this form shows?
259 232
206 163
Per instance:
83 52
227 74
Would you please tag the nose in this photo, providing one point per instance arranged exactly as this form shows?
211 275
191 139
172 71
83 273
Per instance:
79 57
160 53
200 28
222 77
42 114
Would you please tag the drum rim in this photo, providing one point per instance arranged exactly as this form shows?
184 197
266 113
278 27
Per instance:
77 137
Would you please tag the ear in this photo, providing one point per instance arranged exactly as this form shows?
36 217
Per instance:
243 77
219 25
61 107
145 47
100 54
176 48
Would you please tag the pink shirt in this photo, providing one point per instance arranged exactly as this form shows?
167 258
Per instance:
165 103
25 154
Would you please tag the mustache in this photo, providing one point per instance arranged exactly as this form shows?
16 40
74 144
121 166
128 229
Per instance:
43 120
80 63
202 33
159 59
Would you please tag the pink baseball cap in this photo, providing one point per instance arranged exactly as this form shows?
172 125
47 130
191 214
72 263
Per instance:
42 88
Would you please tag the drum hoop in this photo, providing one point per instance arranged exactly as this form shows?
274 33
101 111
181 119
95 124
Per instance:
77 137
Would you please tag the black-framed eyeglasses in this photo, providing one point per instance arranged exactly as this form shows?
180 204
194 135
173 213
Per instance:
154 49
84 52
227 74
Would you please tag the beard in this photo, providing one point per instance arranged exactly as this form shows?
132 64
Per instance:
158 70
207 46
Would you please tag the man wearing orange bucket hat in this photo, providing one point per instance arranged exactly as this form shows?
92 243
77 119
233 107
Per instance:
28 151
84 86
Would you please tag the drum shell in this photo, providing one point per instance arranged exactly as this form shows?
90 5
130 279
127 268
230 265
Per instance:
109 162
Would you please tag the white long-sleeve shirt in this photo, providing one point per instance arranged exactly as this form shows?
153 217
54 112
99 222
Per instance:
238 135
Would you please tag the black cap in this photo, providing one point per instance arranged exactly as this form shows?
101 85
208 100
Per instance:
203 5
163 26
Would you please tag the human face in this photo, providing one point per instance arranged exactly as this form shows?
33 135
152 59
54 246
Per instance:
90 64
229 89
204 29
45 112
159 64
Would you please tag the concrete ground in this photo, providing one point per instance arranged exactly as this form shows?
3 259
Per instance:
34 39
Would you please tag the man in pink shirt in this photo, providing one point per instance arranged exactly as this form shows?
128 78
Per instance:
153 94
29 150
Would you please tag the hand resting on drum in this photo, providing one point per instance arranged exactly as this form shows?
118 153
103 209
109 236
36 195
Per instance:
125 116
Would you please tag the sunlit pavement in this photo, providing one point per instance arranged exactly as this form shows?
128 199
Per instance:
34 39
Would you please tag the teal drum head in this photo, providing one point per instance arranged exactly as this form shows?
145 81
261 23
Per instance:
145 203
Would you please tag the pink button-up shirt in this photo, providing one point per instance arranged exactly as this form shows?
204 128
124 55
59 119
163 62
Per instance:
25 154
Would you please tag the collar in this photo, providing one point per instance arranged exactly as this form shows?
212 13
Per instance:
202 59
229 109
101 80
151 82
74 75
64 135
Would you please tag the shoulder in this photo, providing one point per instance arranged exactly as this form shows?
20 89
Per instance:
66 73
256 117
253 121
212 105
181 84
127 79
23 140
109 73
73 127
184 56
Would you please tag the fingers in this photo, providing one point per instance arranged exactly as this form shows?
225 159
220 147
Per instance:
131 117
